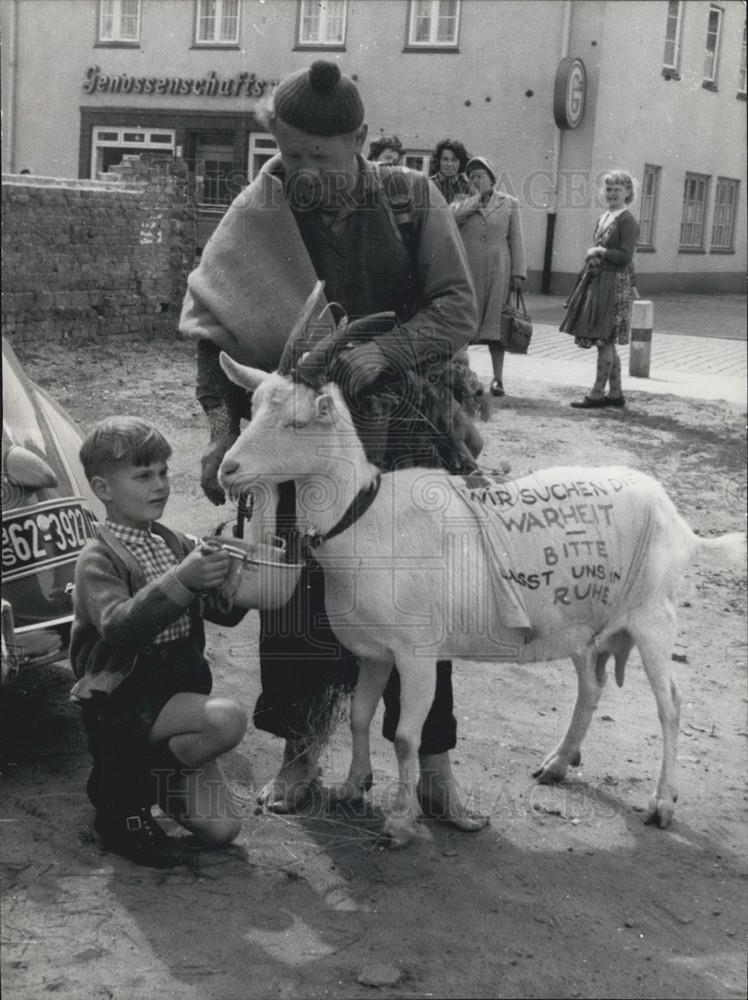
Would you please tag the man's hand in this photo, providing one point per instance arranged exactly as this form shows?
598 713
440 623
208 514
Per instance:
359 363
517 282
210 462
360 367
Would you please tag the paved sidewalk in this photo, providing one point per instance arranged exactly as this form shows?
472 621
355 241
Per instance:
695 366
722 315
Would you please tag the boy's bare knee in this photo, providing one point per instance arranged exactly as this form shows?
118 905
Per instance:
227 720
219 832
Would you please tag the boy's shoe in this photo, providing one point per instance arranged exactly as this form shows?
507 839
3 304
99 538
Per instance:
137 836
497 388
615 401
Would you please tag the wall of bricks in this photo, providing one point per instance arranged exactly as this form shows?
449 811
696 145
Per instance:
87 260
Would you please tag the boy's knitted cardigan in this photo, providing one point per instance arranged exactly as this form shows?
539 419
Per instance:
118 613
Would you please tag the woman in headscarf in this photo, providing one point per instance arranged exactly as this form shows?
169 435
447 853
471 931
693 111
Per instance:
491 230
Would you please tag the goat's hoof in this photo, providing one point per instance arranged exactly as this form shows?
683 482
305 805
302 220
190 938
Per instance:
552 770
286 799
660 812
402 833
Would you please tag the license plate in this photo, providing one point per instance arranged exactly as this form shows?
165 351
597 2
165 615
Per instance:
44 537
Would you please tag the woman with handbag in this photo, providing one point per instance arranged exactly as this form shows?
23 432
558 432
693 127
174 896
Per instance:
491 230
599 308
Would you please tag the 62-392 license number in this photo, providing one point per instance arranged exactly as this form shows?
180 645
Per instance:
39 538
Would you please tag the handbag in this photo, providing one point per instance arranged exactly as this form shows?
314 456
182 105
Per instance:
516 325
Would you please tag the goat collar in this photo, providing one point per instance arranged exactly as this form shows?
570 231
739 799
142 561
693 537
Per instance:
356 509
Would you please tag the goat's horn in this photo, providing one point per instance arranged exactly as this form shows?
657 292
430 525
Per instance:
287 357
318 360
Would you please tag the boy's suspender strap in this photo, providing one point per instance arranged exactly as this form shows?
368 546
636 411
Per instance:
123 559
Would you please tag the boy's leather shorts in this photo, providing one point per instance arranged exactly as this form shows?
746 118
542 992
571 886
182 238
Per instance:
161 671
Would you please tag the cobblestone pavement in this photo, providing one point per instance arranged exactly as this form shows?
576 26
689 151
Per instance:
671 351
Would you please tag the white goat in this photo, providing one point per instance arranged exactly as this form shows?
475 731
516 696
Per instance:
590 560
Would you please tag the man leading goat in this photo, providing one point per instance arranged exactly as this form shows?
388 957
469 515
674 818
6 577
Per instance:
320 211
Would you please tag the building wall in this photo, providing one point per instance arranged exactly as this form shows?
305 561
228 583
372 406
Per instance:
490 96
678 125
495 94
84 259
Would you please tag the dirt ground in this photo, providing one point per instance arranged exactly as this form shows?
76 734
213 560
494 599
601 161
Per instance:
566 894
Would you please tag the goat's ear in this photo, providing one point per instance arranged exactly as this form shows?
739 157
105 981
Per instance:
247 378
324 405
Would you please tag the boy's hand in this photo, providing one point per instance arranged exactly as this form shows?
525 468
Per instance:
205 568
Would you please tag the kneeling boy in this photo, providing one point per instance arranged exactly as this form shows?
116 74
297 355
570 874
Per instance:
141 592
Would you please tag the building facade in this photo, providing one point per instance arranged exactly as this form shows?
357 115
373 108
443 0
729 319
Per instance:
555 92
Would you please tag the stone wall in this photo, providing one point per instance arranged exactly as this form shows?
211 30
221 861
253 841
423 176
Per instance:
84 260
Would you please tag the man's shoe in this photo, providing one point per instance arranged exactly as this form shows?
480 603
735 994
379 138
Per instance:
137 836
615 401
497 389
589 404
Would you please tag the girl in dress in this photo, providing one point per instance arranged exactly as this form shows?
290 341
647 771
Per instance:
599 307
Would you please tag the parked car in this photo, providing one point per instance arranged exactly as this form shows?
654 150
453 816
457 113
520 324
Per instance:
48 515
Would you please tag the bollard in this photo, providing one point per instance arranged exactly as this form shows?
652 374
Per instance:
641 338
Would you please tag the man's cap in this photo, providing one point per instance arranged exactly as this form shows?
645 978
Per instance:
319 100
481 162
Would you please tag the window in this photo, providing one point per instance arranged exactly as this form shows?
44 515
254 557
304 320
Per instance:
322 22
217 22
110 145
119 21
433 23
694 208
741 72
671 56
711 53
215 174
262 146
725 211
648 205
418 160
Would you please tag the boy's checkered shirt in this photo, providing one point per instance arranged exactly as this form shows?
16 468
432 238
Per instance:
155 558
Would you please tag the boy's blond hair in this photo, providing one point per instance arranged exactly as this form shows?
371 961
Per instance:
122 439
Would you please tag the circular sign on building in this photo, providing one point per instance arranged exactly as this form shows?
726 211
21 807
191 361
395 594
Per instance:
570 93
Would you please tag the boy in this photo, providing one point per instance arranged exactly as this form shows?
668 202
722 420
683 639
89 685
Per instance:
141 592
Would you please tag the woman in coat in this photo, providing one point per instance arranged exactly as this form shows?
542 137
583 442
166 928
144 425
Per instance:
599 308
491 230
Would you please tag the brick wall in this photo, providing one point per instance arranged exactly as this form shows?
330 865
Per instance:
84 260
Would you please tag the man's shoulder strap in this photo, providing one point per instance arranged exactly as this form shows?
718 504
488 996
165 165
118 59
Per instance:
398 187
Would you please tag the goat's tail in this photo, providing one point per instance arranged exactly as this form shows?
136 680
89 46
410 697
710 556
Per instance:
728 550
